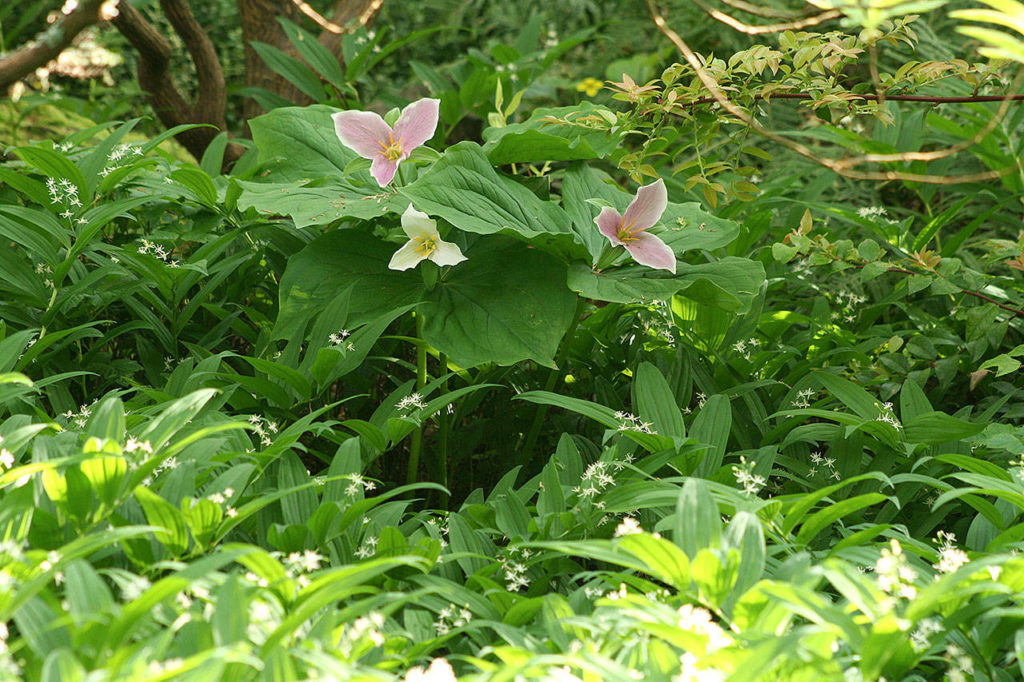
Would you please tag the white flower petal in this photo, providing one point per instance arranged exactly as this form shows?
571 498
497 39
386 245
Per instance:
406 257
446 253
419 224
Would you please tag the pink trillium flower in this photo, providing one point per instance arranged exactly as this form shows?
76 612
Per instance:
366 133
630 229
424 243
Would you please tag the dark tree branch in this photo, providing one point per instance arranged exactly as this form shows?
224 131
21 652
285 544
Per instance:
156 79
48 44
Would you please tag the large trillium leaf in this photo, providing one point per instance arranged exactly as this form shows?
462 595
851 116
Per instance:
345 260
729 284
321 201
506 303
464 189
539 139
298 144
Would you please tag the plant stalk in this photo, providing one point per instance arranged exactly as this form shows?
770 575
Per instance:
530 442
421 380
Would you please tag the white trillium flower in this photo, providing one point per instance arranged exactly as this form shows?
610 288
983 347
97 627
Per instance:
424 243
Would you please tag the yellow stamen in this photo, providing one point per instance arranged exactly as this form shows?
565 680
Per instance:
393 149
627 233
425 246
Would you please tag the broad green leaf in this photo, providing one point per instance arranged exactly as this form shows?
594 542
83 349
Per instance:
730 283
697 522
540 139
711 427
464 189
320 202
654 401
504 304
299 144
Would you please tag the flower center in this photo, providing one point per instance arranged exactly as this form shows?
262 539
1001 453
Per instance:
628 233
393 149
425 246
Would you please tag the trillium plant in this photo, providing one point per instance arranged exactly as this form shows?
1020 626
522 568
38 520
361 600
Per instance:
369 136
521 258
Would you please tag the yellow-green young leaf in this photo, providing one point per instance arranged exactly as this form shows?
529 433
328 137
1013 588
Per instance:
713 577
106 475
664 560
163 514
203 519
806 221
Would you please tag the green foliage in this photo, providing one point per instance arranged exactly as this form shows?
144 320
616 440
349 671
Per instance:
236 444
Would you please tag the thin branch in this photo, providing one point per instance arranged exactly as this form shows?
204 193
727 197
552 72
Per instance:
48 44
320 20
803 150
766 12
752 30
931 99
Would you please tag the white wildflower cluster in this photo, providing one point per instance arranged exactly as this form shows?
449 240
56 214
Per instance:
65 193
701 399
803 398
221 497
7 458
338 342
961 666
368 548
894 574
44 269
265 616
153 249
887 415
80 418
690 671
514 568
362 40
9 668
745 348
168 665
413 401
828 465
439 670
596 478
951 557
120 155
746 478
848 302
551 40
361 635
628 526
511 69
871 212
358 484
443 528
452 616
630 422
133 445
303 562
263 428
926 627
698 620
133 587
168 464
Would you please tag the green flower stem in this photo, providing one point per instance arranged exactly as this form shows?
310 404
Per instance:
442 436
421 380
530 442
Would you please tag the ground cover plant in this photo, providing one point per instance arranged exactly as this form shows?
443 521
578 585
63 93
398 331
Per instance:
521 350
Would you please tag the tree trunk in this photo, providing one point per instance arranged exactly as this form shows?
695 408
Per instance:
259 22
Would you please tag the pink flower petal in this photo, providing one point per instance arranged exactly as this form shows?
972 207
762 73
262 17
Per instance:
417 124
646 249
364 132
608 221
383 169
648 205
